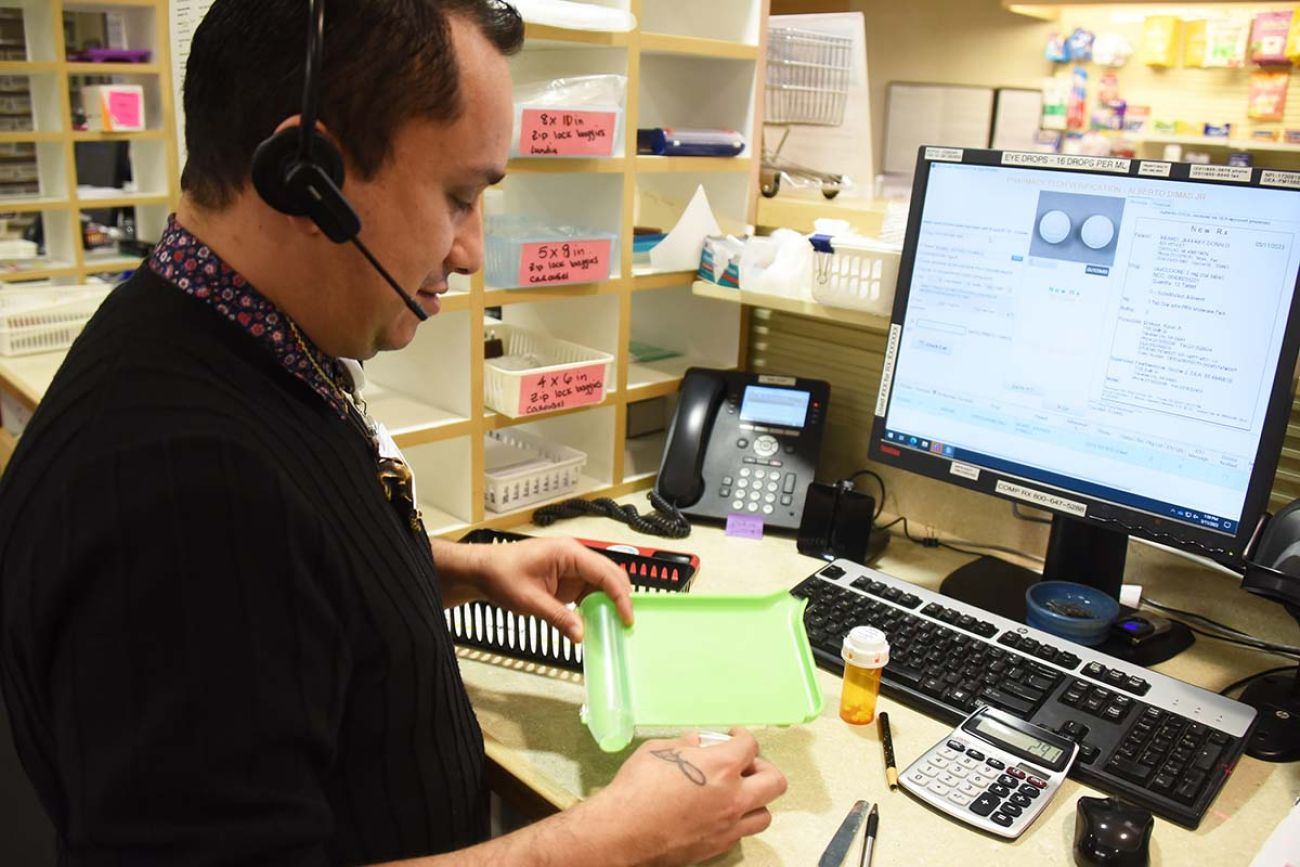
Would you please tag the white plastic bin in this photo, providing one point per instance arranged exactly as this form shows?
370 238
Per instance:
46 318
855 273
539 373
523 469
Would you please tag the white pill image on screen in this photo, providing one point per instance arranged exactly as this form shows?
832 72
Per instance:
1097 231
1054 227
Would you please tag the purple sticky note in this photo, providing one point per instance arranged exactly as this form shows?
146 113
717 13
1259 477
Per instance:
745 526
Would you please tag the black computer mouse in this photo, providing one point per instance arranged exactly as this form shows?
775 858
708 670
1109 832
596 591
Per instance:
1110 833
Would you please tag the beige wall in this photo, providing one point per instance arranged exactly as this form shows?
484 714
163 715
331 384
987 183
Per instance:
948 42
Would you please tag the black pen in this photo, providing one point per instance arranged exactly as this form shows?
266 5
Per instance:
891 772
869 840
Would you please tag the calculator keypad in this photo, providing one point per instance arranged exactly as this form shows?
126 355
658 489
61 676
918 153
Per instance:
983 790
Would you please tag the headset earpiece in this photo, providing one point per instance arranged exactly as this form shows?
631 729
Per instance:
305 188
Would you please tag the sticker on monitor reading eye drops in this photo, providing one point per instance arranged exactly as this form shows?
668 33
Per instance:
966 471
1077 162
887 374
1041 498
944 155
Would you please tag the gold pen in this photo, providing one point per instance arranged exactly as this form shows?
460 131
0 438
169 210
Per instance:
891 772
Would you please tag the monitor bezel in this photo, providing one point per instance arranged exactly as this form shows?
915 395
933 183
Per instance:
1217 545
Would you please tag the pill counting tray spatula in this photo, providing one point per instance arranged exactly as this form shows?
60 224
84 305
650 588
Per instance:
693 661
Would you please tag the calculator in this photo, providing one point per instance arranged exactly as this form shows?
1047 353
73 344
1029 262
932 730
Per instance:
995 771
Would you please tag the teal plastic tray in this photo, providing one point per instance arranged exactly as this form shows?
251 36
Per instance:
696 661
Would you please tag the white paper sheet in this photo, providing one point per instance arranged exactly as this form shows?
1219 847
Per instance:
680 250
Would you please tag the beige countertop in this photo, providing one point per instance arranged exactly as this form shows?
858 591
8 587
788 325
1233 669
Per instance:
27 377
530 720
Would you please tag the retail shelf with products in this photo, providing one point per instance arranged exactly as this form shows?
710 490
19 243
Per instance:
1237 144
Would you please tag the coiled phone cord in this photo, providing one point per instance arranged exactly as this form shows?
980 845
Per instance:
665 521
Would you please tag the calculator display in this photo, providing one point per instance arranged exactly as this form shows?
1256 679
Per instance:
1023 742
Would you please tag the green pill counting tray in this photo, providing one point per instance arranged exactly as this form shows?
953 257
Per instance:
696 661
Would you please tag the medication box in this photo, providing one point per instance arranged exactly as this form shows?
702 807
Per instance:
114 107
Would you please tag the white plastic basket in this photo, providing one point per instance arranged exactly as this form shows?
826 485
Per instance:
523 469
46 318
503 389
857 274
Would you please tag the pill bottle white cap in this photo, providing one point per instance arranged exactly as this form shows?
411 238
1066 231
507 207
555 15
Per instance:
865 647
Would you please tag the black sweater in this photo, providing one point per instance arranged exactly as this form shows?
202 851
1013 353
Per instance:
220 643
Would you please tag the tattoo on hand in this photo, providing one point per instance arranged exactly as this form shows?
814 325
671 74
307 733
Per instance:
694 774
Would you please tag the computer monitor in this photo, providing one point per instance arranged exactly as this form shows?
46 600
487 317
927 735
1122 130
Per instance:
1113 340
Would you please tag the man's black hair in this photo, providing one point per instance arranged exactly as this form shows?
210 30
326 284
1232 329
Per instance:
385 62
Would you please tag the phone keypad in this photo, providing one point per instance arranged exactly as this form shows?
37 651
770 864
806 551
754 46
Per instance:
758 490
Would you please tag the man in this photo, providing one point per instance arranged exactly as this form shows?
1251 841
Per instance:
222 643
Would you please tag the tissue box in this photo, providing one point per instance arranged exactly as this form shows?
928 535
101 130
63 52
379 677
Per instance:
114 107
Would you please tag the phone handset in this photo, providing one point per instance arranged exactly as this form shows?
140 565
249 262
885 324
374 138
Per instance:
681 476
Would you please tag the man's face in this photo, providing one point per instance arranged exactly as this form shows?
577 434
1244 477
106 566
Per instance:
421 213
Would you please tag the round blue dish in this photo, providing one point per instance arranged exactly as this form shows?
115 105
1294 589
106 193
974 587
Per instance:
1074 611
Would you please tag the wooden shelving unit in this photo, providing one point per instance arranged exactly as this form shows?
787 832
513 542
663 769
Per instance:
664 67
52 81
431 394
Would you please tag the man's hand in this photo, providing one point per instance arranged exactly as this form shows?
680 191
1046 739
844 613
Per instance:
535 576
675 802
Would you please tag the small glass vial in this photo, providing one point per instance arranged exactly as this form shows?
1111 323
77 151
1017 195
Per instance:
865 653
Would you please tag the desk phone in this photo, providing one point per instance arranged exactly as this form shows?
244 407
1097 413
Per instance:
995 771
744 443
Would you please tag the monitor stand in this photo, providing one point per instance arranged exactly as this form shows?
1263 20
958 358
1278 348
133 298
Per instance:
1076 551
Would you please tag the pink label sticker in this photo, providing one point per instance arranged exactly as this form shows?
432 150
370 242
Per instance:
553 132
745 526
123 109
578 386
550 262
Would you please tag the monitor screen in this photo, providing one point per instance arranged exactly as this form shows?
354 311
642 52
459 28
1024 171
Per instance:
1109 339
783 407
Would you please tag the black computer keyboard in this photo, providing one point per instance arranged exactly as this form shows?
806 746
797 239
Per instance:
1153 740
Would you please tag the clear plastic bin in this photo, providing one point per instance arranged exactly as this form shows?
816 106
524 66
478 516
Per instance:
576 117
522 253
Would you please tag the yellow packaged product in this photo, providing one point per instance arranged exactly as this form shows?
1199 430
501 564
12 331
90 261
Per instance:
1160 40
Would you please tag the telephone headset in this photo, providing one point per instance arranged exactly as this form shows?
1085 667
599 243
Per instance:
299 172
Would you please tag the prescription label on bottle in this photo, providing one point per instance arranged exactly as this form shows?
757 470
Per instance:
549 262
562 389
549 132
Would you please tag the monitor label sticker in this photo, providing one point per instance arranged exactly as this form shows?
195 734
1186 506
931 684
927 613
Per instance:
1273 178
887 375
1067 161
1041 498
1148 169
966 471
947 155
1236 174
